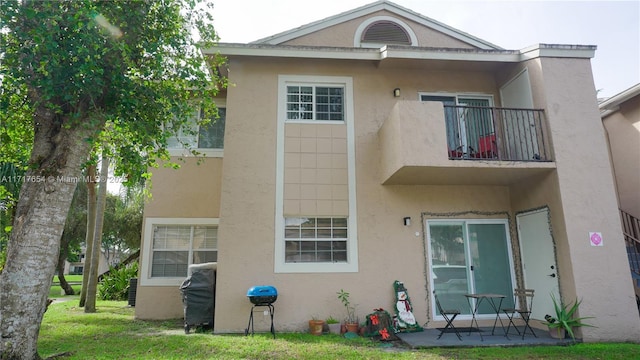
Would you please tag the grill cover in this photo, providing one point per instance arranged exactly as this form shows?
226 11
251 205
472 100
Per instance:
198 295
262 294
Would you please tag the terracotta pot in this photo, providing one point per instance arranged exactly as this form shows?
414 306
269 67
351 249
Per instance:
557 333
352 327
315 327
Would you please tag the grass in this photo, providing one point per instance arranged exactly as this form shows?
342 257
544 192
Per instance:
69 278
112 333
56 291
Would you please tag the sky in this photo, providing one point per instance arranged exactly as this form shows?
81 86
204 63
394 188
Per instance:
613 26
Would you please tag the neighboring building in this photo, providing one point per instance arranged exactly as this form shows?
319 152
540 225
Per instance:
621 118
380 145
77 268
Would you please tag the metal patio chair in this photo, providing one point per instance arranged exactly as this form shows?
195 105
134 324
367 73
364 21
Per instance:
523 304
449 315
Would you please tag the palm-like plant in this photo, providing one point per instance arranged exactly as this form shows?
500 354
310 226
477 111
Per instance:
565 316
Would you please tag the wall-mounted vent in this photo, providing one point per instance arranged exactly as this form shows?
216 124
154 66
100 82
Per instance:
386 32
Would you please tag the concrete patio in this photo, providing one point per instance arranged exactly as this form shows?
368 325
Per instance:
429 338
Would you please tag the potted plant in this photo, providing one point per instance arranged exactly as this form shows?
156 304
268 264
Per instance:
333 324
351 321
315 326
564 320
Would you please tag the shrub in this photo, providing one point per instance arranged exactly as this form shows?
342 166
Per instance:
115 283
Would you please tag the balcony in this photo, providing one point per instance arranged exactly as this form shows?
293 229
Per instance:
428 143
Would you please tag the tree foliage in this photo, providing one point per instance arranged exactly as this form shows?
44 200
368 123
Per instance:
123 220
132 63
115 283
71 69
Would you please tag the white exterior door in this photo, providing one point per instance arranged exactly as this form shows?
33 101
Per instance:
538 260
519 128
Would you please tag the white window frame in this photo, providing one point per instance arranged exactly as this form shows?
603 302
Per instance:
458 96
208 152
314 86
303 232
147 247
280 266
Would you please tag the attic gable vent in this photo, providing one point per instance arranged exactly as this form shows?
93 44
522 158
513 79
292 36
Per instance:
386 32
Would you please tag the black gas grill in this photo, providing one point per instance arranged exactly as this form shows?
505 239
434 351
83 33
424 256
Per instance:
265 296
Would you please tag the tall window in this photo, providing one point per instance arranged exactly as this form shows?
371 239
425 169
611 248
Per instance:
311 102
208 136
175 247
315 214
315 239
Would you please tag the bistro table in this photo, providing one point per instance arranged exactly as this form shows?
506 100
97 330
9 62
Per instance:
491 299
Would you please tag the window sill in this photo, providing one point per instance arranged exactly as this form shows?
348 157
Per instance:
315 122
316 268
213 153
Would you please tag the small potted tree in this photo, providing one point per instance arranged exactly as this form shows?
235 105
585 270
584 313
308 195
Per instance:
564 320
351 321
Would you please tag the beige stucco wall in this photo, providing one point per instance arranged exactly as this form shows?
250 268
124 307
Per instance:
623 131
588 203
399 143
193 191
342 35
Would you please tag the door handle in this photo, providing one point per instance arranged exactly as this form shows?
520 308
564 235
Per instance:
552 275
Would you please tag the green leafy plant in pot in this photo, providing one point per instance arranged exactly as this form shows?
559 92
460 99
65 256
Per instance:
351 321
564 320
333 324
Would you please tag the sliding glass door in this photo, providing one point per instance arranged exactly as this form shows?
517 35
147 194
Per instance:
468 120
469 256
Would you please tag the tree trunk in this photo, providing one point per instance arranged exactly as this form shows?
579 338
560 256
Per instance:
64 252
91 223
56 158
92 283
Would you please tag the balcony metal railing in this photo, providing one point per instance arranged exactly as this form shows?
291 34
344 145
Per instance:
487 133
631 232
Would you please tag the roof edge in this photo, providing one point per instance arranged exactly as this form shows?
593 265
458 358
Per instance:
399 51
368 9
612 104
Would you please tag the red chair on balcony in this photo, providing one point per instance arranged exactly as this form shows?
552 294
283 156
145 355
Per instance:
457 153
487 147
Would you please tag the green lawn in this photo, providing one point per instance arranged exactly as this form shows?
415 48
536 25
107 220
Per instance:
56 291
112 333
69 278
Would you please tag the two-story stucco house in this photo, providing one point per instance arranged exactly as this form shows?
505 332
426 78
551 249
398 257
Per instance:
380 145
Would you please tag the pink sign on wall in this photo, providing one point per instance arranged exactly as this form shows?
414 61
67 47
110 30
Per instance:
595 238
